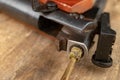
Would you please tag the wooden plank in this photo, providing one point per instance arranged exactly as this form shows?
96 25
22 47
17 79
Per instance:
25 54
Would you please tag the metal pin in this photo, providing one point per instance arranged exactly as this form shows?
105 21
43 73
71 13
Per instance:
74 54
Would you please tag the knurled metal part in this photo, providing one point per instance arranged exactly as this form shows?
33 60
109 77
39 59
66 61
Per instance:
72 43
76 52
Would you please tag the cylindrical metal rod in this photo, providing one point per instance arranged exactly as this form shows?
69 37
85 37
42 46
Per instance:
75 54
69 69
21 10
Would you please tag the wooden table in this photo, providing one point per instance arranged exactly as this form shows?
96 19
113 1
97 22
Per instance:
26 54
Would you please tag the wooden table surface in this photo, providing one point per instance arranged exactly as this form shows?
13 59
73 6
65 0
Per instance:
26 54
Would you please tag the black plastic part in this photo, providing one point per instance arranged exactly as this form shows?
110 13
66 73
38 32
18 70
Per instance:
102 56
101 63
52 28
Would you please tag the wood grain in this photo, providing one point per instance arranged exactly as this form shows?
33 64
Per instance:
25 54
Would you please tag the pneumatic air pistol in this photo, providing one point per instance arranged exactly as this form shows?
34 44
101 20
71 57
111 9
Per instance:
74 23
78 21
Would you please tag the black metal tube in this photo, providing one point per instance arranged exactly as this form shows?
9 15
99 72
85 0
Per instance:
20 9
